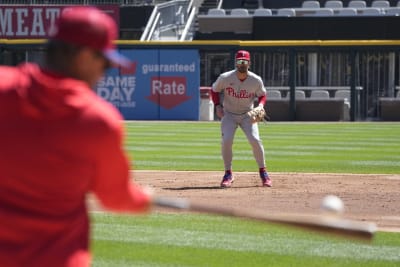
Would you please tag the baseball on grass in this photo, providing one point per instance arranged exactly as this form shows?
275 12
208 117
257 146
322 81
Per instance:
332 204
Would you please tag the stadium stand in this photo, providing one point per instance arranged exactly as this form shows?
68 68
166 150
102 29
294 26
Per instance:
357 4
323 12
274 94
275 4
319 94
206 5
307 109
319 110
346 12
238 21
250 4
310 4
218 12
380 4
369 11
232 4
299 94
277 107
343 94
389 108
286 12
348 17
333 4
240 12
392 11
262 12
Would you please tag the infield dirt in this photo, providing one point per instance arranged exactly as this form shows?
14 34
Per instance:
373 197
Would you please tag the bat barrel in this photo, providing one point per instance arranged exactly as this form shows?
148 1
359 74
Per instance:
174 203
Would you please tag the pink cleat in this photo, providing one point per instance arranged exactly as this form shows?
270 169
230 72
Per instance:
266 181
227 180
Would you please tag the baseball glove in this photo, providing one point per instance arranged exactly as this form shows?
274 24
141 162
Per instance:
257 114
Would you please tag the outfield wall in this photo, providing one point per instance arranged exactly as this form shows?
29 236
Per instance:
368 68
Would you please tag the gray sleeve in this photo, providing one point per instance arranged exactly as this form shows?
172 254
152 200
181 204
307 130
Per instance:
218 85
261 89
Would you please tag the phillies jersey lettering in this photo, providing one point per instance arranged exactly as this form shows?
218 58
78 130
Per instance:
238 96
242 94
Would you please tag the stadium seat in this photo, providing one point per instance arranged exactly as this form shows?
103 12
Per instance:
310 4
216 12
369 11
343 94
392 11
357 4
333 4
323 12
319 94
286 12
274 94
380 4
299 94
239 12
262 12
346 12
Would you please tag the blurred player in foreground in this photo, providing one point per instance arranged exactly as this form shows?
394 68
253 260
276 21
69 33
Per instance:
239 88
58 142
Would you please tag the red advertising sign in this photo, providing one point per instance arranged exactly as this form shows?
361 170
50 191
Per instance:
33 22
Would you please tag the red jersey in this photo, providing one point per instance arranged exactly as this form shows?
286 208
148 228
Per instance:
58 141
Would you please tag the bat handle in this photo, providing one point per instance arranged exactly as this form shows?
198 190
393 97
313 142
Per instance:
185 204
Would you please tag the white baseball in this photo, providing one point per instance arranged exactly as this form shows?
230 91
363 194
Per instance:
332 204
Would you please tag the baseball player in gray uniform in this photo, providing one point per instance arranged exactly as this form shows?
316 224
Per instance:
239 88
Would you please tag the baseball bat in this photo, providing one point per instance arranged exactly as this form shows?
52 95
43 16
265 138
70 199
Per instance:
325 224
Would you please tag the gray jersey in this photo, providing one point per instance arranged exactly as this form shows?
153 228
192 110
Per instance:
239 95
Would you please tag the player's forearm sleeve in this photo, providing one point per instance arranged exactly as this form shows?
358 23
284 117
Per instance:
118 192
112 182
215 97
262 100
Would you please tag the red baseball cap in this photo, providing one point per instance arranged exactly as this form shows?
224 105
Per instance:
89 27
243 54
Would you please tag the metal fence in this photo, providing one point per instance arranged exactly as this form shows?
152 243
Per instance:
376 72
170 21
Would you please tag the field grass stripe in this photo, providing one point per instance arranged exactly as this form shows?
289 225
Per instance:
375 163
279 244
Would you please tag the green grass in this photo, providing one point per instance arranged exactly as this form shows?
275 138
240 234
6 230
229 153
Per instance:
289 147
200 240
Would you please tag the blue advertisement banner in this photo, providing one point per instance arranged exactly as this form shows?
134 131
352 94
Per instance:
160 85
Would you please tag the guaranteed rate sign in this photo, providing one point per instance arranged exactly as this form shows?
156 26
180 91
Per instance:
163 85
168 92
